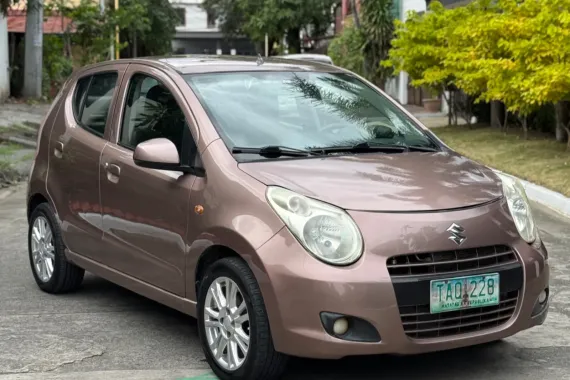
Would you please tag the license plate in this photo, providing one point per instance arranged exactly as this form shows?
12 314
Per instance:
464 292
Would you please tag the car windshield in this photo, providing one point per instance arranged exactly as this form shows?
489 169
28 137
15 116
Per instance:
302 110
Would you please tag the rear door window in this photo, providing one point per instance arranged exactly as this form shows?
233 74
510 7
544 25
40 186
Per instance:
92 101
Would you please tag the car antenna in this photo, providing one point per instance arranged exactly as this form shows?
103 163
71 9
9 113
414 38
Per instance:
260 60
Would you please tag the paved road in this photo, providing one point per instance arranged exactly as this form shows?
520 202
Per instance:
105 332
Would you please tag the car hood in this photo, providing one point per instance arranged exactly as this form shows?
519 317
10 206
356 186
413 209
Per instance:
414 181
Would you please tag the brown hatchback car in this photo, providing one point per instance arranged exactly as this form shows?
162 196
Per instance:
290 206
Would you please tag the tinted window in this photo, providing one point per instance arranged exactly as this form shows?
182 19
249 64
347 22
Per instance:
151 112
80 91
301 110
92 101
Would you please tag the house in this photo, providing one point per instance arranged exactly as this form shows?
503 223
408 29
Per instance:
198 32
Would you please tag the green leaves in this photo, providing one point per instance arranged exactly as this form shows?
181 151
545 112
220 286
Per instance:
6 4
377 23
346 50
363 49
255 18
517 52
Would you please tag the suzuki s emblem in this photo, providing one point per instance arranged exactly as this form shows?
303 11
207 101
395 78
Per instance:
456 232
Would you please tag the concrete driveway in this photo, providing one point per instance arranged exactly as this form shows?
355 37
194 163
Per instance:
106 332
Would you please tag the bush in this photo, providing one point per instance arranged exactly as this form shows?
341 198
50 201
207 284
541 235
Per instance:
57 67
346 50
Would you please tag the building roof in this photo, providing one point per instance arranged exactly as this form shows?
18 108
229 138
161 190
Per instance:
53 24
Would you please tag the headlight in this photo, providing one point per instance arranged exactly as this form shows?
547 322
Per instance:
327 232
519 207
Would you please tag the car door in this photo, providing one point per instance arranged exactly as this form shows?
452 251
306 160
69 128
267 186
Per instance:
145 211
76 142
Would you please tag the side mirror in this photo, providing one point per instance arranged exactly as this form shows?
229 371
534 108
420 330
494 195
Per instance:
159 153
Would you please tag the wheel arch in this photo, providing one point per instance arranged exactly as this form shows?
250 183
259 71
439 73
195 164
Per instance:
212 254
34 201
217 244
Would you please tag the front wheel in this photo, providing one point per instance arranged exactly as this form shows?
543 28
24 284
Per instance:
233 324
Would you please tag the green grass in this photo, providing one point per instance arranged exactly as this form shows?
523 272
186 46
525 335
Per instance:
7 173
22 130
539 159
8 149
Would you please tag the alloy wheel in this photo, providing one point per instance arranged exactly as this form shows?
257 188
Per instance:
226 322
43 251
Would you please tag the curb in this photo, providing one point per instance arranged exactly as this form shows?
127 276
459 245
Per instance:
546 197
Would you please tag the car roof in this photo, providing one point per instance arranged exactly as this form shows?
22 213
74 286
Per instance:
315 57
188 64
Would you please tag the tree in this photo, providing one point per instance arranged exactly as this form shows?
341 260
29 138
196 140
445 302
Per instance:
276 18
470 48
148 26
346 50
422 45
366 40
473 50
93 31
543 48
506 70
33 58
377 24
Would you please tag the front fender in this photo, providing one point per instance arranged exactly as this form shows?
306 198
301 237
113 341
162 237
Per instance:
229 239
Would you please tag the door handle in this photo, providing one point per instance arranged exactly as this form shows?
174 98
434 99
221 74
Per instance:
113 172
58 150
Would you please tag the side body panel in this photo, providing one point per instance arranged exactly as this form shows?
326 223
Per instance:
236 215
145 211
73 175
39 169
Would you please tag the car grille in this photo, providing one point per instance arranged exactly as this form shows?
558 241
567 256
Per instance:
419 323
451 261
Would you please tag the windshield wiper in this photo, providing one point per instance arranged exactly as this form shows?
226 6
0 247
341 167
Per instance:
374 147
275 151
421 148
362 147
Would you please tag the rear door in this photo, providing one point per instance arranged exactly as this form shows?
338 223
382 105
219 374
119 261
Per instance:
76 143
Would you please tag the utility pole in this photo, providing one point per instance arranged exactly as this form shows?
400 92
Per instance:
117 52
102 10
33 49
4 58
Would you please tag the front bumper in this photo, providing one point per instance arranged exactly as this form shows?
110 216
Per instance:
297 288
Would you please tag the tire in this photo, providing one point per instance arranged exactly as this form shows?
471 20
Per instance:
261 362
65 277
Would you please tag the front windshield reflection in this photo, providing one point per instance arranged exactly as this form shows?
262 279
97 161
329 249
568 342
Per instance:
302 110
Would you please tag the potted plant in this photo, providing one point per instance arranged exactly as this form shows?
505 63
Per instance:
433 102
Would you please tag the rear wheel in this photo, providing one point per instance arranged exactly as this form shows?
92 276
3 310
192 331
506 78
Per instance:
51 270
233 324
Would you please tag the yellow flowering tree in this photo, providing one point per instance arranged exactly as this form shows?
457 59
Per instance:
545 53
421 47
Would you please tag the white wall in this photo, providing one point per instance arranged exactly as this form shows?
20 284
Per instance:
196 17
412 5
4 60
398 87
